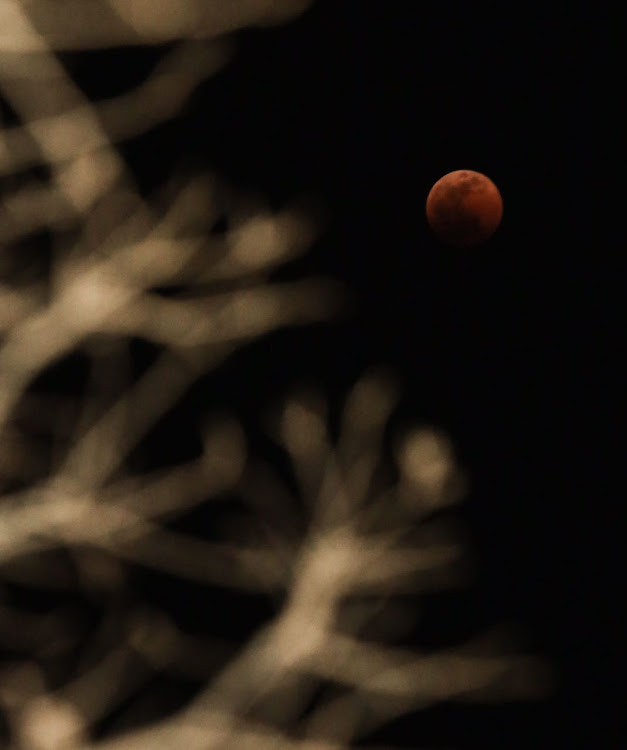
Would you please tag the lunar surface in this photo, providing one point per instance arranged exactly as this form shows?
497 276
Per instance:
464 208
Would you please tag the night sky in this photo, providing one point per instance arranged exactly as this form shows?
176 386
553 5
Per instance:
511 347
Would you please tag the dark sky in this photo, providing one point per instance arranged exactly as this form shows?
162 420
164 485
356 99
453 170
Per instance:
512 347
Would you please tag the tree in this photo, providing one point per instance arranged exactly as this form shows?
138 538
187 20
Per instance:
98 266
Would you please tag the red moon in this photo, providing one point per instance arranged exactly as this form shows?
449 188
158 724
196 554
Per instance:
464 208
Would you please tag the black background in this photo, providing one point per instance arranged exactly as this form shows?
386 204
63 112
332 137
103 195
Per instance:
512 348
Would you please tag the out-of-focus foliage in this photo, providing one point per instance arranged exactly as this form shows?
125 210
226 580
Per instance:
74 514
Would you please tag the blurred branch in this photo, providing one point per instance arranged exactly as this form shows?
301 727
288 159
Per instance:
92 24
76 520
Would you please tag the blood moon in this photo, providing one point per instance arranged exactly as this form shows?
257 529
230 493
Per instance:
464 208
